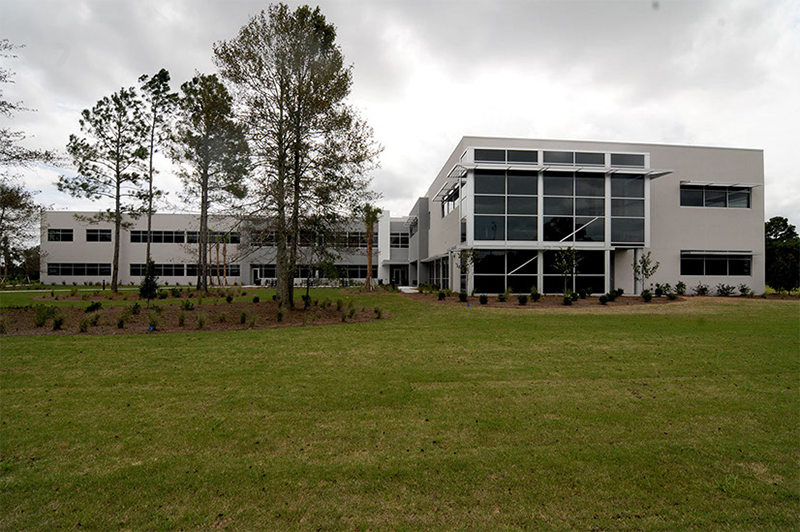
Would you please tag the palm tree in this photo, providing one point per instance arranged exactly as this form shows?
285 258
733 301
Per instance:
371 214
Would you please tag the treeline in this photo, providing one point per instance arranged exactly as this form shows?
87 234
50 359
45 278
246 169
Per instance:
269 137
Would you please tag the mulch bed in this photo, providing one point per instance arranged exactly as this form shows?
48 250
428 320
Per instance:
544 301
216 316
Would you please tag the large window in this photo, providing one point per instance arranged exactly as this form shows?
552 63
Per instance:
59 235
589 275
78 269
233 237
505 205
627 209
398 240
161 270
497 270
574 206
98 235
627 159
699 263
158 237
709 196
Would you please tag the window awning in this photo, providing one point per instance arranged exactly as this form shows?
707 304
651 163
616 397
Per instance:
717 252
712 184
652 173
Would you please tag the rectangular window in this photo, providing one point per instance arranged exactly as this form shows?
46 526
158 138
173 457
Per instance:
590 159
627 230
79 269
716 264
490 228
522 183
557 228
627 186
490 205
523 156
558 184
627 159
627 207
398 240
463 230
490 156
490 182
559 157
558 206
590 206
98 235
521 228
739 198
590 184
691 196
521 205
715 197
712 196
59 235
158 237
590 229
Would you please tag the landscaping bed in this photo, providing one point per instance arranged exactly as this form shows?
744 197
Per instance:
544 301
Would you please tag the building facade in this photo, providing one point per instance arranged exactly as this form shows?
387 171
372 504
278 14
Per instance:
493 219
500 209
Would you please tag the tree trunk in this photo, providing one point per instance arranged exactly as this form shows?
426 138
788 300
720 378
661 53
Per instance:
369 280
202 237
117 230
225 261
150 190
217 246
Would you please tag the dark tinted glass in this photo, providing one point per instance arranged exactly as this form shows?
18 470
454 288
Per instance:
559 157
521 228
558 184
558 206
549 258
516 259
521 205
625 159
595 231
556 229
490 262
490 228
523 156
627 186
593 284
590 184
592 262
493 156
627 230
691 196
521 284
590 206
739 198
490 182
716 197
739 266
627 207
490 204
554 284
716 265
490 284
522 182
691 265
590 158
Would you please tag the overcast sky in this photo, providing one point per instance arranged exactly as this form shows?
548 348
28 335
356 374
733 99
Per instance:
427 73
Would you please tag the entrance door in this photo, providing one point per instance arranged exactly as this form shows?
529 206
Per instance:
399 275
256 275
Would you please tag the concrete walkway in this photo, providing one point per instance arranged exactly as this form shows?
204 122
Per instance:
408 289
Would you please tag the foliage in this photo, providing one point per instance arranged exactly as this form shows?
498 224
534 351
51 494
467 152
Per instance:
701 289
573 296
484 299
42 313
566 263
782 255
279 315
647 296
378 313
256 299
371 215
501 298
229 299
680 288
644 268
441 295
567 300
744 290
153 321
725 290
523 299
58 322
94 306
182 319
462 296
187 305
603 299
83 324
148 289
671 296
135 308
201 321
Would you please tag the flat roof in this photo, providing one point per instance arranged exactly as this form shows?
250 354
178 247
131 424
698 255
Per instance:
593 141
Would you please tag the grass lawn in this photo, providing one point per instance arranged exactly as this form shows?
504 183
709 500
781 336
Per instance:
682 416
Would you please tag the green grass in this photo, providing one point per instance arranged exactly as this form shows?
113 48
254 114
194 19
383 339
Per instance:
680 416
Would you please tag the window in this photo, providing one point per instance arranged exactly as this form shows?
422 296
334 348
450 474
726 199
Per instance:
450 201
522 183
589 273
523 156
497 270
627 186
490 156
59 235
557 228
463 230
709 196
627 159
559 157
490 182
521 205
490 228
521 228
355 271
590 184
590 159
158 237
161 270
98 235
78 269
627 207
717 264
558 184
398 240
627 230
490 205
257 238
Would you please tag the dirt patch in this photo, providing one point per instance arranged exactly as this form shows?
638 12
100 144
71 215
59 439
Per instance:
544 301
172 318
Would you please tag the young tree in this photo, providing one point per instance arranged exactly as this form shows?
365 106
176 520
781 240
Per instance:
212 153
109 160
371 215
312 149
644 268
159 104
567 261
148 289
19 218
782 254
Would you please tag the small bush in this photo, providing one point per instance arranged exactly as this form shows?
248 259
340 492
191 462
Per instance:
42 313
279 316
573 296
619 292
58 322
187 304
523 299
121 321
567 300
700 290
612 295
441 295
253 322
501 298
339 304
201 321
671 296
162 294
647 296
153 321
95 320
83 325
181 319
256 299
582 294
155 308
73 292
136 308
725 290
243 317
221 318
229 299
535 296
175 291
351 312
603 299
344 317
484 299
378 313
94 307
680 288
462 296
659 290
744 290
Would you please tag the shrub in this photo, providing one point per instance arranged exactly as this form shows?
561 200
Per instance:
671 296
744 290
83 325
378 313
201 321
462 296
612 295
229 299
73 291
279 316
121 319
647 296
156 309
58 322
603 299
582 294
351 312
567 300
535 296
2 325
523 299
136 308
659 290
619 292
187 304
162 294
701 289
181 319
441 295
256 299
484 299
501 298
42 313
176 292
344 317
149 287
94 307
253 322
339 304
680 288
243 317
573 296
221 318
725 290
95 320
